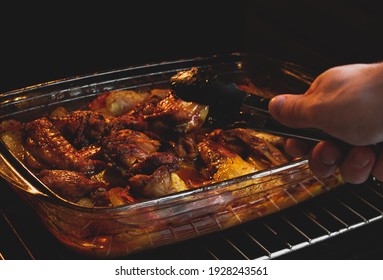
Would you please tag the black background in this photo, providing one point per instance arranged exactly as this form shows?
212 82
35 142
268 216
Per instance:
40 44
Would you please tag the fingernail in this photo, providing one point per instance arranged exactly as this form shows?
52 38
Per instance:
328 159
329 156
276 103
359 160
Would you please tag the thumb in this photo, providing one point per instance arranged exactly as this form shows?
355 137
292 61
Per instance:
290 110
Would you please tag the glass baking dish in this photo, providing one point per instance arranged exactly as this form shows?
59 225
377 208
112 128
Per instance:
119 231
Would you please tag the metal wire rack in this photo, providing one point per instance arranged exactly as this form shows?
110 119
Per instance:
307 223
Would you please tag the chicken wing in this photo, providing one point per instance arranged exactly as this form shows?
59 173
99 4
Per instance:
156 176
70 185
82 128
174 113
47 144
258 145
127 147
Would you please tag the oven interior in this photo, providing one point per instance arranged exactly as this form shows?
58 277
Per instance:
348 220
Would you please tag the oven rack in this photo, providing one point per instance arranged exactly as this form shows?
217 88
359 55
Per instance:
329 215
277 235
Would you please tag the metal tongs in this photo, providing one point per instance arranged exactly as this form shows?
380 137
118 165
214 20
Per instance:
228 103
254 110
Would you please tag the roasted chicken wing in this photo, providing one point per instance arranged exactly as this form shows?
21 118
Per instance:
250 145
49 146
156 176
70 185
127 147
174 113
258 145
82 128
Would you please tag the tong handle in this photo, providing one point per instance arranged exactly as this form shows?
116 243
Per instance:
256 112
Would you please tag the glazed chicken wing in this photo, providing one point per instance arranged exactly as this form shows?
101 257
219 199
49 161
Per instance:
258 145
70 185
83 128
156 176
136 118
251 145
162 113
174 112
162 182
47 144
127 147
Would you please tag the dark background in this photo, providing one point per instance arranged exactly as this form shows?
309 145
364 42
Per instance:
40 44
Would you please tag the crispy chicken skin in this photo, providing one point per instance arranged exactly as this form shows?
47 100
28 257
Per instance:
156 176
127 147
186 147
162 113
147 106
47 144
162 182
258 145
135 119
70 185
173 112
250 145
154 161
83 128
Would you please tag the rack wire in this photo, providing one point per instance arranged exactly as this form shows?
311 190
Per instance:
305 224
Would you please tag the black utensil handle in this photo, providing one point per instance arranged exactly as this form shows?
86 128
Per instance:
258 115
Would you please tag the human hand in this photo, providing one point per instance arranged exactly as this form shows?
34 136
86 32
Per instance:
344 102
